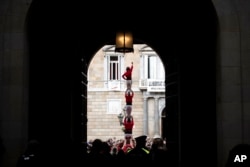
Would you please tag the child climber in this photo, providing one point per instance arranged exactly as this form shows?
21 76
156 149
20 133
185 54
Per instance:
127 75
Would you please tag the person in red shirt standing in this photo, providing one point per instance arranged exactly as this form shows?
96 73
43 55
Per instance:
127 75
129 94
128 123
128 144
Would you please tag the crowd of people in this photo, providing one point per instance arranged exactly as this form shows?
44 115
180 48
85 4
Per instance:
141 148
98 151
95 152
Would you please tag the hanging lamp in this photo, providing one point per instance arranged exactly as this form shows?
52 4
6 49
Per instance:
124 42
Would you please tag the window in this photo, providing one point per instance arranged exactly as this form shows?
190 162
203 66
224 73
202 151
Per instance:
155 68
152 73
152 67
114 70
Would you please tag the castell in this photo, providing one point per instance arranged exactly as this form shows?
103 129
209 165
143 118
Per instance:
128 120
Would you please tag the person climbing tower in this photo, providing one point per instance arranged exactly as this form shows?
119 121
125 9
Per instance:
128 123
128 110
128 120
127 75
129 94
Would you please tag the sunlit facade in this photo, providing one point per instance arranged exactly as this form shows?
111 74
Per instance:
106 90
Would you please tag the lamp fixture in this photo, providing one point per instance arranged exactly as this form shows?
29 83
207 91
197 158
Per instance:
124 42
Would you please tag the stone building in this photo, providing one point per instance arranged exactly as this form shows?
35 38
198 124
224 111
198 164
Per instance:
106 92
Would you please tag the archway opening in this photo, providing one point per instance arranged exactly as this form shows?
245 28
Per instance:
106 92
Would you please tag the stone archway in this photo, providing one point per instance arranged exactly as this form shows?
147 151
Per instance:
62 54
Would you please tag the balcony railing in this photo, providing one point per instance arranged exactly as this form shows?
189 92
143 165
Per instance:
152 85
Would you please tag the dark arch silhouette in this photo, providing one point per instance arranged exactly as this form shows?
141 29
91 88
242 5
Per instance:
163 123
64 37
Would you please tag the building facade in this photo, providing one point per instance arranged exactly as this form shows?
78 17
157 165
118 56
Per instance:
106 92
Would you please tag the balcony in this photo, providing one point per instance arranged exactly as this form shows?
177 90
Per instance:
152 85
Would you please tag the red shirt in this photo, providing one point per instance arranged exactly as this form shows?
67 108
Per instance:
127 75
128 124
129 96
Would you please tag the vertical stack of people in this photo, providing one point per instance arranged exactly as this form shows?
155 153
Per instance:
128 120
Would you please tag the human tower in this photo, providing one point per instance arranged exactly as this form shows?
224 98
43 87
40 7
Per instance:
128 120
